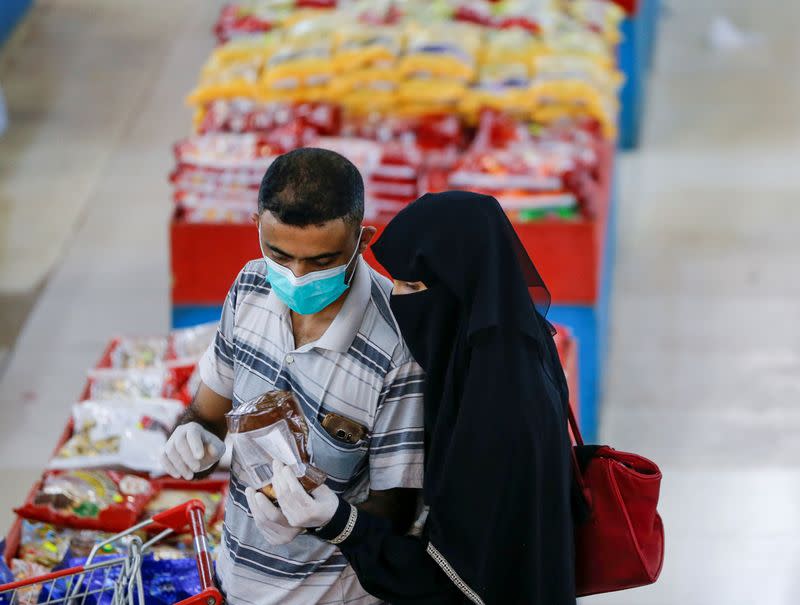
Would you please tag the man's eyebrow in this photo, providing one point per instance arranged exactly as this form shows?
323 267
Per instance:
325 255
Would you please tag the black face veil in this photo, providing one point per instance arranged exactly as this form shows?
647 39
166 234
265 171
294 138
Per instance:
497 475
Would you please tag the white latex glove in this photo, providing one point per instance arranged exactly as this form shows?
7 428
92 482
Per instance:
269 519
301 508
191 449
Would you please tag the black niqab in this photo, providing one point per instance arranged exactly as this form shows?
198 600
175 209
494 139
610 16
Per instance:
497 468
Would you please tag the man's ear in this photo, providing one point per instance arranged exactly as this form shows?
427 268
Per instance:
255 217
366 238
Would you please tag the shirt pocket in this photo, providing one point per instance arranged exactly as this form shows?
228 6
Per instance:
341 461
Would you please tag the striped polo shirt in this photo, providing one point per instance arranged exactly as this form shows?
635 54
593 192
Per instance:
359 368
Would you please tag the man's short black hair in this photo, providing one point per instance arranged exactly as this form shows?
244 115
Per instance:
311 186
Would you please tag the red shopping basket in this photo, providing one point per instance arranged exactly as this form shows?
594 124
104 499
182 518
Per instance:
122 576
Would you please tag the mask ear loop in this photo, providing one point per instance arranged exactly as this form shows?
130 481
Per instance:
355 254
260 244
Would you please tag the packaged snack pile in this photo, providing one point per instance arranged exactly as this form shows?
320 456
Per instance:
105 475
413 79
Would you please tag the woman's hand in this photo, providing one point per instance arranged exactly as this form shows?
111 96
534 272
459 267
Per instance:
269 520
301 508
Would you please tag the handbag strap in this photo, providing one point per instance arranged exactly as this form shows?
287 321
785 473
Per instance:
576 467
573 424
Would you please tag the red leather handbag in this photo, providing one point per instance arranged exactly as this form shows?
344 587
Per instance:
620 542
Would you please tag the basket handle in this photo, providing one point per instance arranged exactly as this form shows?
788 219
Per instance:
192 513
179 517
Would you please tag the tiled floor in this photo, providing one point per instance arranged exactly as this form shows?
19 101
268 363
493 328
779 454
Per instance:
95 90
704 369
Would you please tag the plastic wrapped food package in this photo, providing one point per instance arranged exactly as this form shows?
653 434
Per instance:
245 19
447 51
43 543
526 173
234 182
305 55
271 427
191 343
364 154
24 570
224 151
358 47
126 384
127 433
89 499
599 16
230 80
130 353
249 115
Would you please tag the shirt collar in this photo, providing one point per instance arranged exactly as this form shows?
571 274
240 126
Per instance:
344 327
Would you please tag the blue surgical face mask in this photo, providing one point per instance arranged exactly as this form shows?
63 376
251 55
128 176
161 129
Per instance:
312 292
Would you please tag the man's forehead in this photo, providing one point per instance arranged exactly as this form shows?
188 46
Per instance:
311 240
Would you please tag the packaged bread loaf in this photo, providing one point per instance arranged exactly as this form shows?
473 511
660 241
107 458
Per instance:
268 427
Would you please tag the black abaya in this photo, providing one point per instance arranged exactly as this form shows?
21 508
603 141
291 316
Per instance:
497 469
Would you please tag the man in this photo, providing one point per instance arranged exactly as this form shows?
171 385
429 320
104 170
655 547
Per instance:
311 317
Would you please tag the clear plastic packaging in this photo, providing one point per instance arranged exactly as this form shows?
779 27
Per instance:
138 353
271 427
191 343
126 384
23 570
113 433
88 499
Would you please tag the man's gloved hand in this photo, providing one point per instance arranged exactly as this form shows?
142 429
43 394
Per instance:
191 449
269 519
301 508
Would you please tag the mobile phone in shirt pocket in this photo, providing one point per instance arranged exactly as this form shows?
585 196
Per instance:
343 429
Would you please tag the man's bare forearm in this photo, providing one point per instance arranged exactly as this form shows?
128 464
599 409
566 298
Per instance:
208 409
192 414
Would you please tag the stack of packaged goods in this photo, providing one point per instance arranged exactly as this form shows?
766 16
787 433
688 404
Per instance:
412 91
105 474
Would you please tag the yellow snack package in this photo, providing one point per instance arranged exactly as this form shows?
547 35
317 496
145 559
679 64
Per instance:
371 78
575 68
233 70
601 16
357 46
425 91
568 38
305 56
513 46
243 49
236 80
367 101
441 50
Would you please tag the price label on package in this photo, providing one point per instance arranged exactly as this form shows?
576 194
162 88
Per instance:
256 451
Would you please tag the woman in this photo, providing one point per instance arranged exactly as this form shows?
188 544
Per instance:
470 305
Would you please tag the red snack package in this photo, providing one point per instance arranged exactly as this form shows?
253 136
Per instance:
89 499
